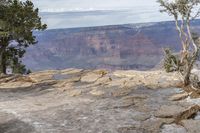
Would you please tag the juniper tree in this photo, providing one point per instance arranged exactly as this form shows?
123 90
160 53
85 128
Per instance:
18 20
183 12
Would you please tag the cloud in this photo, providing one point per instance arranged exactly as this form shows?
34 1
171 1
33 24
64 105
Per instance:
99 18
85 13
65 5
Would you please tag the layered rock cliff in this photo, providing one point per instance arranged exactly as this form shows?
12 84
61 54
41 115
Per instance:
137 46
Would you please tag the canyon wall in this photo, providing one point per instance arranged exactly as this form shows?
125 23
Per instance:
130 46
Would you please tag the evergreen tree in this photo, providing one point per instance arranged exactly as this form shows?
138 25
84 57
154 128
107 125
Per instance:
18 20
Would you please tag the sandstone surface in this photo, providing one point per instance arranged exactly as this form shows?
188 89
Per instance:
96 101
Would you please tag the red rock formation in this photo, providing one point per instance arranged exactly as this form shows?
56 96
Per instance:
114 47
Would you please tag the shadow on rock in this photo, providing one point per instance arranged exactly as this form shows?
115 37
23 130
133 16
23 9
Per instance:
16 126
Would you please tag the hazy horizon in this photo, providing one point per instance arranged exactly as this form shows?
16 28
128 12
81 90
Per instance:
88 13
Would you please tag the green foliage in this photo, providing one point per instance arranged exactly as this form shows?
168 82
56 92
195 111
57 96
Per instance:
21 19
18 20
171 62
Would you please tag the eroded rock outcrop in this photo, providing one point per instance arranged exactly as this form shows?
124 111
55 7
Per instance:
76 100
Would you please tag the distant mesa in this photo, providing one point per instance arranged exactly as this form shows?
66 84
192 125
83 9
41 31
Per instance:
130 46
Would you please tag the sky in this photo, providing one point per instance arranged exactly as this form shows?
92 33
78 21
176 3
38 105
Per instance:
86 13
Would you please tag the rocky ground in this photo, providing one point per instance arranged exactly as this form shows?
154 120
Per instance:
96 101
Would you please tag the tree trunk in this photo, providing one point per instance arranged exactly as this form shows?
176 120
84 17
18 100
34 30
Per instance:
187 76
3 61
190 62
190 67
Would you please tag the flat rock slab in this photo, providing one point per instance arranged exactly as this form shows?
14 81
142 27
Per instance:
169 111
91 101
179 96
16 85
74 111
192 126
173 128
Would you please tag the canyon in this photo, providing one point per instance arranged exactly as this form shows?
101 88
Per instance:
86 98
129 46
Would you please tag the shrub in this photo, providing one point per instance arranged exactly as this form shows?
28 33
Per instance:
171 61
